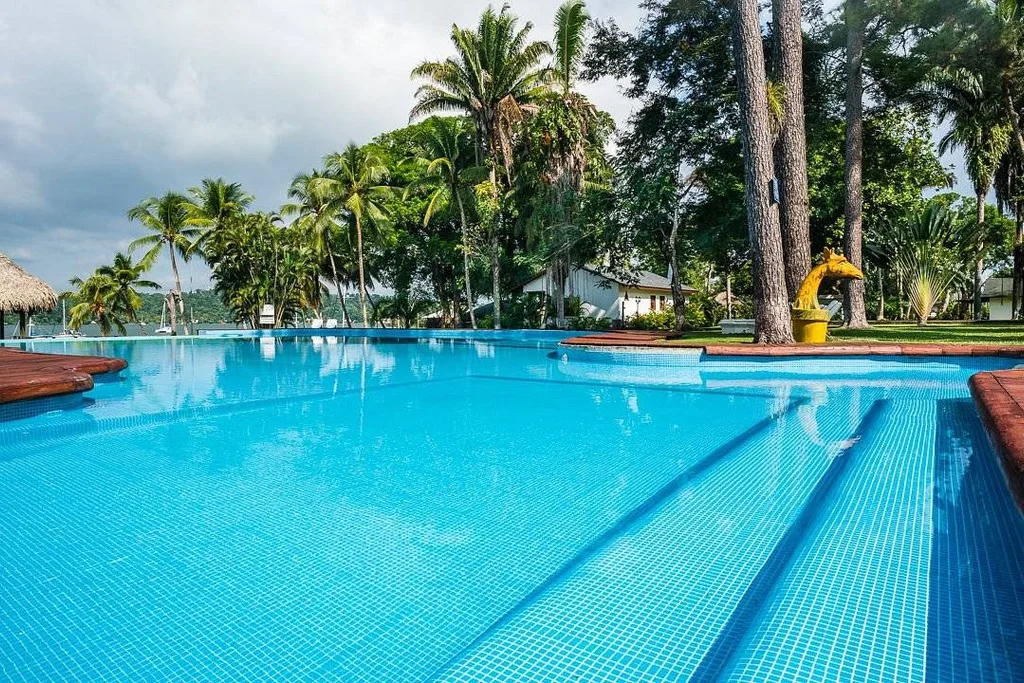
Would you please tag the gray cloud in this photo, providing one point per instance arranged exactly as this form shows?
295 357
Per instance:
105 102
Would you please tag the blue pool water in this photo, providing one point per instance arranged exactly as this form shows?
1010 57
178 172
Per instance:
402 509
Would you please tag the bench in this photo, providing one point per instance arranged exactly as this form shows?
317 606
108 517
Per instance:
737 326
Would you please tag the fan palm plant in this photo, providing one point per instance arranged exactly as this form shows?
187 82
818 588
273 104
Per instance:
171 225
495 72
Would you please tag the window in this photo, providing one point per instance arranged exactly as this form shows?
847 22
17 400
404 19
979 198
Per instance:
653 304
661 303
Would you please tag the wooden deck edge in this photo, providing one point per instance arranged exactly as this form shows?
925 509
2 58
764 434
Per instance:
999 398
25 375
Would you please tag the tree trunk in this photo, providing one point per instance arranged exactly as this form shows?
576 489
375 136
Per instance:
172 313
979 269
678 301
771 302
728 296
881 295
362 277
176 294
337 287
496 276
794 205
470 303
559 282
853 238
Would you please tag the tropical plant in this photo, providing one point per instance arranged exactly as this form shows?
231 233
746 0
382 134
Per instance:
126 277
212 202
172 225
318 212
93 298
448 166
355 179
257 262
495 73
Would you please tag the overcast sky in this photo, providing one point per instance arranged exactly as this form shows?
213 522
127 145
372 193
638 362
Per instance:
103 103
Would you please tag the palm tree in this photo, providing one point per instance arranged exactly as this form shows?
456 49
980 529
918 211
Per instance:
126 276
317 214
447 157
976 127
95 296
771 303
495 73
169 221
212 202
355 178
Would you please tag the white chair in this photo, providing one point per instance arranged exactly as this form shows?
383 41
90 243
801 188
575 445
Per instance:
316 323
833 308
267 317
331 324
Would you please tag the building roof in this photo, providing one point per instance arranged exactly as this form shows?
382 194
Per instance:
638 279
20 291
997 287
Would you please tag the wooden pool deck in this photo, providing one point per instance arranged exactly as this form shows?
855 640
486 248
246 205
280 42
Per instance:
25 375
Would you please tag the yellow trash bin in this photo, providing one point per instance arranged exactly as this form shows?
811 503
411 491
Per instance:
810 325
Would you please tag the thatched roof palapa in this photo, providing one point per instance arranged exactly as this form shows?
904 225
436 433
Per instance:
22 292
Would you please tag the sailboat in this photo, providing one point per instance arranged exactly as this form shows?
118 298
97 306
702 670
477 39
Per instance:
164 327
65 332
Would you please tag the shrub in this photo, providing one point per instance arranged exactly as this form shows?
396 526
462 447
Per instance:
655 320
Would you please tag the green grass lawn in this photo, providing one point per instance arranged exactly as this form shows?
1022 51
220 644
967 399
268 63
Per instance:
941 332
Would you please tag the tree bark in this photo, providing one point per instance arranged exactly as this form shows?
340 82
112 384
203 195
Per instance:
362 277
728 296
496 276
979 269
771 302
881 295
853 290
175 296
470 303
791 152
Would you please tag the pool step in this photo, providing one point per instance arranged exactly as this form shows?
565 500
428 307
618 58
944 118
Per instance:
852 602
647 607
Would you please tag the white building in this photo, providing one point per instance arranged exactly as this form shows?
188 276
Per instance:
998 291
606 295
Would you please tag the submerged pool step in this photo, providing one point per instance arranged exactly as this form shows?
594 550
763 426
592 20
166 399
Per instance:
649 605
852 605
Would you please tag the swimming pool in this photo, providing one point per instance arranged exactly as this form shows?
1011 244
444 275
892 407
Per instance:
404 509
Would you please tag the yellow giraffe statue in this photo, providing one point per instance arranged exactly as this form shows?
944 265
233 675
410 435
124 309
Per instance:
810 321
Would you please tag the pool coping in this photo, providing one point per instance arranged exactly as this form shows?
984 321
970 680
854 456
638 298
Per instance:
999 399
656 341
30 375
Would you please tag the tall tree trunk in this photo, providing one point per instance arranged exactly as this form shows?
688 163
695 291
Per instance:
771 302
175 297
881 295
470 303
496 276
1018 260
794 205
558 278
337 287
678 301
728 296
362 277
853 290
979 268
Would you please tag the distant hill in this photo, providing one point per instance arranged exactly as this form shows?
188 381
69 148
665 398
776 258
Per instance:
204 304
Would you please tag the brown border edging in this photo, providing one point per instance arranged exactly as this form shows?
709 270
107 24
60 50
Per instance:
27 375
999 398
